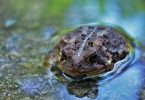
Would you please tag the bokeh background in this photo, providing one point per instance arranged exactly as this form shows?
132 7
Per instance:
26 27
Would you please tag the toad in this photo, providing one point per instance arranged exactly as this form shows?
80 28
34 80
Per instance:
89 50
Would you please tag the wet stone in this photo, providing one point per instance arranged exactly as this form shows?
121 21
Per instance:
90 50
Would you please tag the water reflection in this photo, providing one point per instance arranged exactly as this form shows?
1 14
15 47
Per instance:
83 88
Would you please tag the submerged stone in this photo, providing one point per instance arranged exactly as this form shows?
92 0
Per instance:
89 50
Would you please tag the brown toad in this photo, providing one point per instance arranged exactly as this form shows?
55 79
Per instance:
89 50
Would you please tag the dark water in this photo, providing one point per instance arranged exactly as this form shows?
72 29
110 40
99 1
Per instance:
25 30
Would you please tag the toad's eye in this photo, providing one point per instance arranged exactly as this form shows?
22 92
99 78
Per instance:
92 59
97 59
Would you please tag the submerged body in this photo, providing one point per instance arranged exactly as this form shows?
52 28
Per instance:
89 50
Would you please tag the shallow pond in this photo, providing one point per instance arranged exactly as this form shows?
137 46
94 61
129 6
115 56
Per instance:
25 42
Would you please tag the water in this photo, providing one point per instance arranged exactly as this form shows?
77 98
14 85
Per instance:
25 30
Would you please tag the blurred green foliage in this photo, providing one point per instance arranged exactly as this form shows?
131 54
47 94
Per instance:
129 7
38 13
